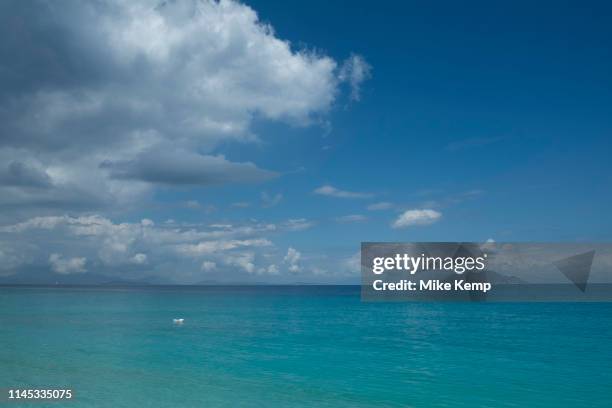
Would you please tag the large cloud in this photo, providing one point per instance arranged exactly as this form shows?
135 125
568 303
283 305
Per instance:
124 83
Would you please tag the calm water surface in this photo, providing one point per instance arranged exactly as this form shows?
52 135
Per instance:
300 347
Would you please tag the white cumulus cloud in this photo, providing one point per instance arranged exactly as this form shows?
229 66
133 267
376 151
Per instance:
145 97
292 259
416 217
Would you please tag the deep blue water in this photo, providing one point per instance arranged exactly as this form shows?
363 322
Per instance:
301 347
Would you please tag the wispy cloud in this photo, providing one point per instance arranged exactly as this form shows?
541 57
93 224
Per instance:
297 224
381 206
331 191
268 200
355 70
196 205
240 204
351 218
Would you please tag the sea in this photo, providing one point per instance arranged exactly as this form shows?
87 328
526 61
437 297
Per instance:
298 346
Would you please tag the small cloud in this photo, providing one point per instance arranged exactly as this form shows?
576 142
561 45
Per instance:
488 245
242 260
66 266
352 264
331 191
268 200
196 205
193 204
351 218
240 204
380 206
355 70
416 217
292 259
318 271
270 270
145 222
208 266
297 224
454 199
139 259
221 226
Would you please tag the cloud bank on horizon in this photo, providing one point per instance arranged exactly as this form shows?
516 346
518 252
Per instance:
124 251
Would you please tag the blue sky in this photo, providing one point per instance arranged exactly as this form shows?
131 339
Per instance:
414 122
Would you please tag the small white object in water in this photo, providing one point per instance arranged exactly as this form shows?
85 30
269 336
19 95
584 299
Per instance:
178 321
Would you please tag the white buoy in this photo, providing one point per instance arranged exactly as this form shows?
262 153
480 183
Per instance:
178 321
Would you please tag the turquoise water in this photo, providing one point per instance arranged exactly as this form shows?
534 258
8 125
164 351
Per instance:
300 347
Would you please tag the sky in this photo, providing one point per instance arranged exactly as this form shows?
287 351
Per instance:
261 142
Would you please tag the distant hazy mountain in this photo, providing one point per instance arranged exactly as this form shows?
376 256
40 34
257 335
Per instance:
39 277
